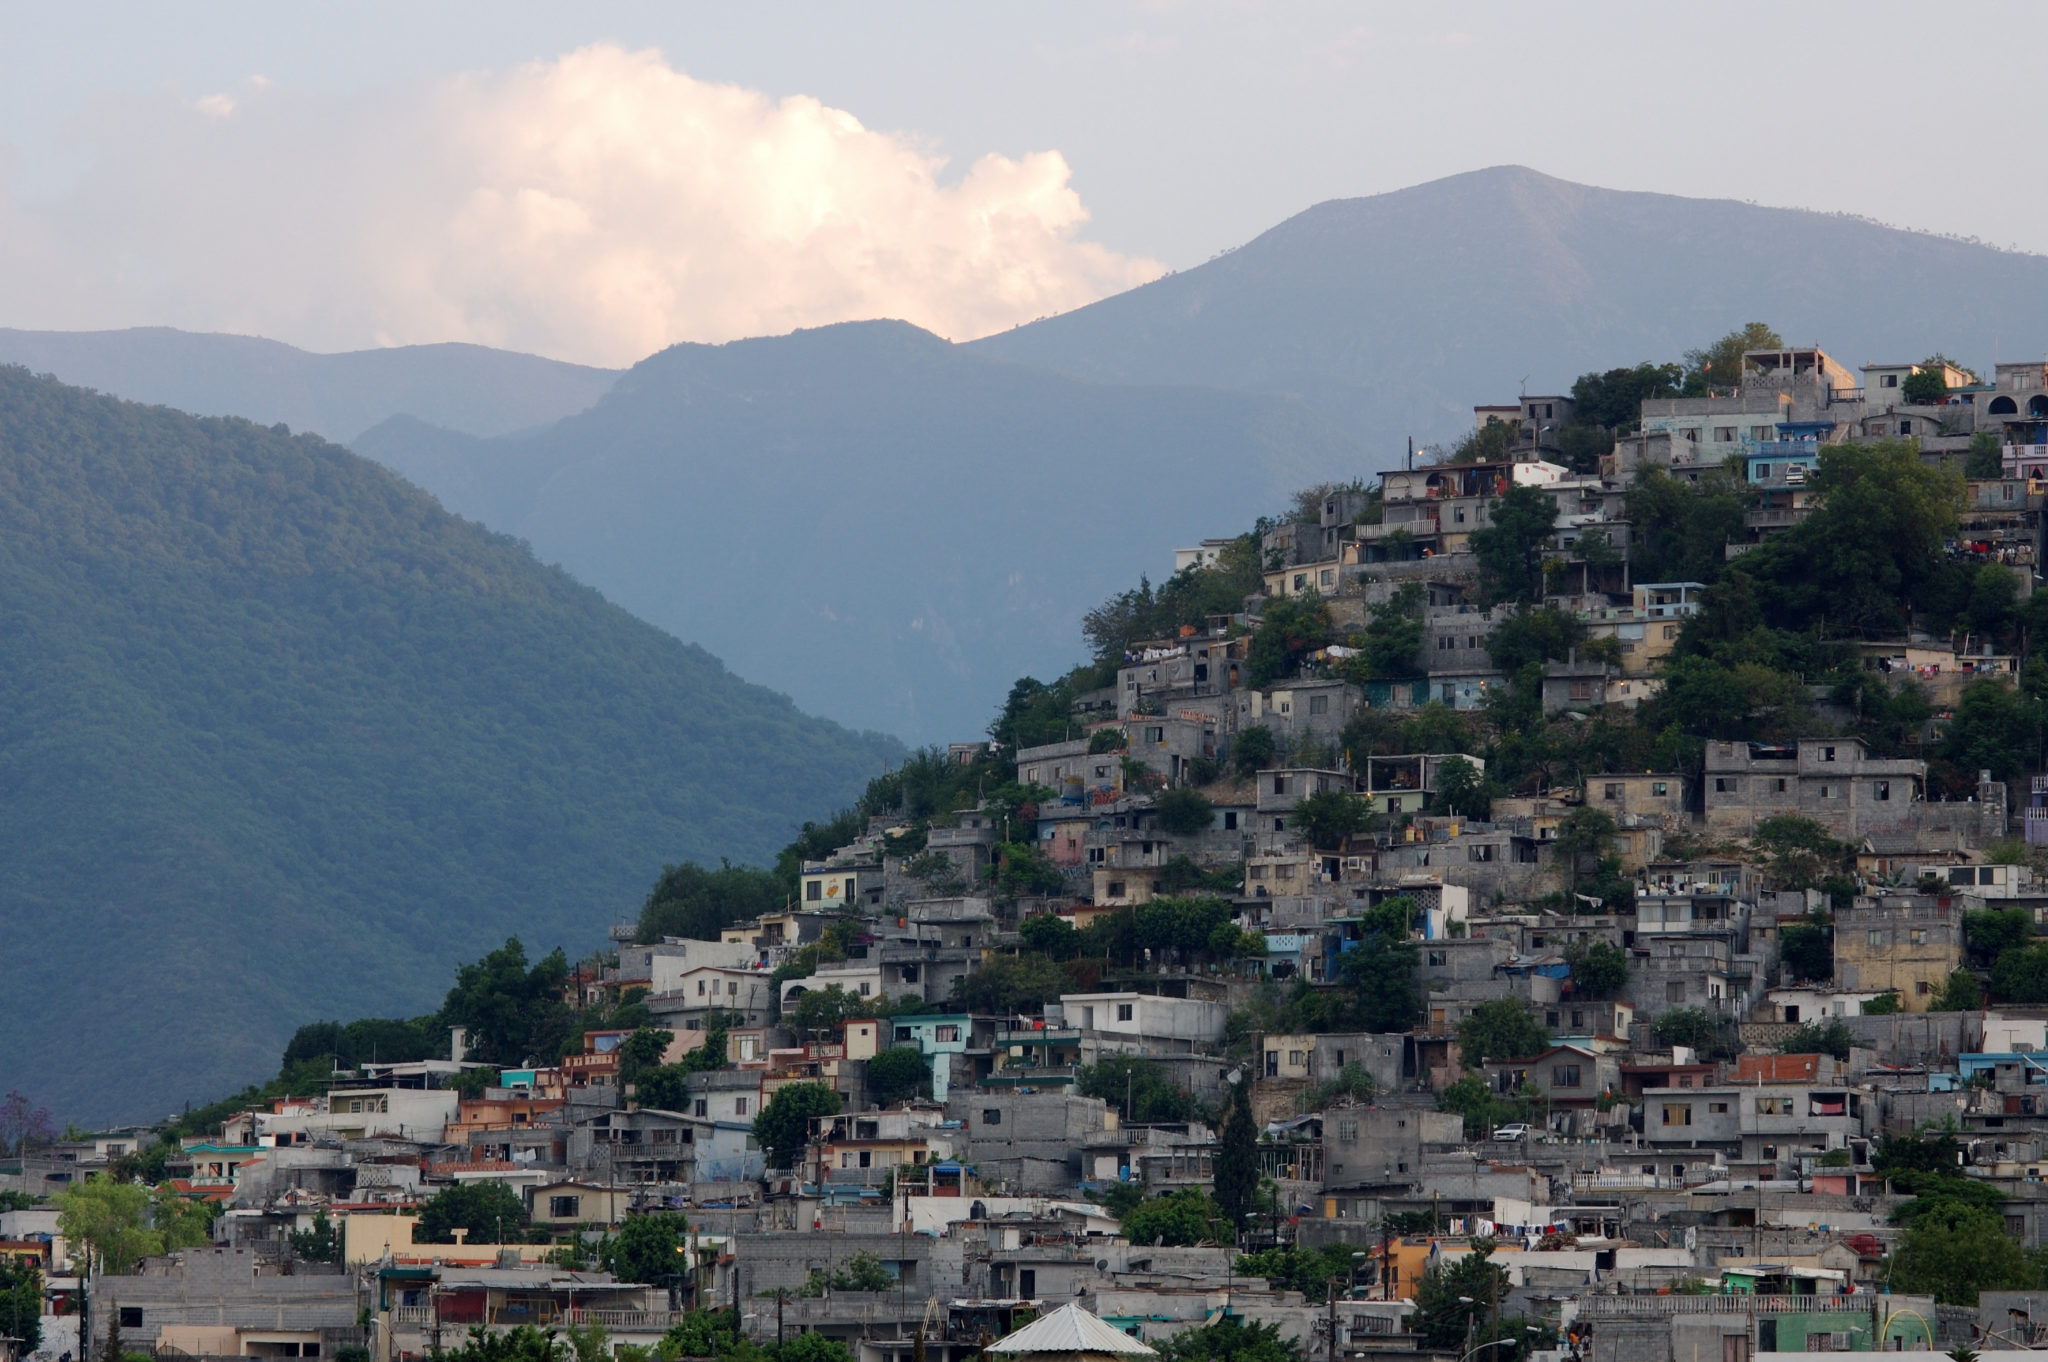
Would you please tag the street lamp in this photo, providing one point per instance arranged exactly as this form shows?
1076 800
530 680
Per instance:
1493 1342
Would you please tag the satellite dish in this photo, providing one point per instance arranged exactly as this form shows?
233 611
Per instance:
1102 1264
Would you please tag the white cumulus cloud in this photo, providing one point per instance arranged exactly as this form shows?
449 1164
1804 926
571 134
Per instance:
594 207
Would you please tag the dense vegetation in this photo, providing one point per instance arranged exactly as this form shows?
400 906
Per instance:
281 737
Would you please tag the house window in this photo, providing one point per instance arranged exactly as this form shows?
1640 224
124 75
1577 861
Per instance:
1921 987
1445 643
1827 754
1727 785
1778 785
1564 1076
867 1159
863 988
1283 872
949 1033
1891 380
700 988
739 1106
1874 937
1155 734
1327 576
814 890
1905 427
1774 1106
1761 432
1919 936
565 1207
1279 785
1610 792
1659 789
1319 704
702 1107
1439 959
1717 1108
1678 1113
1123 1011
1230 820
1116 889
1582 690
1479 853
1882 790
1674 992
131 1317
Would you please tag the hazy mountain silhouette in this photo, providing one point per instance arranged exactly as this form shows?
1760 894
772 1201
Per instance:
1396 314
281 740
469 388
888 527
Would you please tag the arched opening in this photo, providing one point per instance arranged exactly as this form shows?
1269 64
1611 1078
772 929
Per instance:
2003 406
2037 405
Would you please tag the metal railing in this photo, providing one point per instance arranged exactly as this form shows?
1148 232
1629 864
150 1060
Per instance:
1654 1307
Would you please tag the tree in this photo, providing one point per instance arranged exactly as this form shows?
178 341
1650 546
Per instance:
492 1213
1599 968
1182 812
1501 1029
1010 983
1816 1038
1926 386
1253 751
181 1222
1960 992
1051 935
1807 949
1455 1299
1229 1339
897 1075
1953 1251
1521 521
1290 628
702 1333
1327 817
1613 401
23 1124
21 1304
691 901
641 1053
1985 460
647 1248
814 1347
2021 975
1543 634
513 1012
1178 1220
1460 789
1022 869
1582 833
783 1128
1693 1027
1995 729
1106 740
321 1243
1720 365
1237 1160
1141 1088
107 1219
1391 644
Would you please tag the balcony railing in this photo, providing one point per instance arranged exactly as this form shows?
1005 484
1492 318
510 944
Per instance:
1656 1307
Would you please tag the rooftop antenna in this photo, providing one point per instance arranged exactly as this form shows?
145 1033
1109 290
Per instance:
1411 453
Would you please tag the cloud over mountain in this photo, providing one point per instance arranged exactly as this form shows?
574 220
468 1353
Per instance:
594 207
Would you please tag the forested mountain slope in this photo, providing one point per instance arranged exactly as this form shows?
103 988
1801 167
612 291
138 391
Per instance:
1397 313
470 388
893 528
280 739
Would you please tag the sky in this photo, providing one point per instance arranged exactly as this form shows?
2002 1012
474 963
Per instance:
595 181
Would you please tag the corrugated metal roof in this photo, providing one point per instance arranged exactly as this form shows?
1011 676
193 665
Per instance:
1070 1329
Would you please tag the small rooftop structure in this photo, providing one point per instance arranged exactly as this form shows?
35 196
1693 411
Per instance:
1070 1332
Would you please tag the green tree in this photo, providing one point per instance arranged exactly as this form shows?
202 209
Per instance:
1817 1038
1457 1298
783 1128
1508 548
514 1012
1460 789
1327 817
1230 1339
1178 1220
1253 750
1613 400
897 1075
319 1243
691 901
1290 628
492 1213
1953 1252
1584 833
1542 634
1693 1027
179 1221
1995 729
1381 970
21 1304
1022 869
641 1053
1991 932
1106 740
1010 983
1720 365
1391 644
1925 387
813 1347
1807 949
1237 1161
701 1333
1501 1029
1139 1087
647 1248
1599 969
108 1220
1182 812
1051 935
1985 460
2021 975
1681 528
1960 992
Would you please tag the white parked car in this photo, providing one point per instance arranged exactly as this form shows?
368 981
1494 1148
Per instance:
1517 1131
